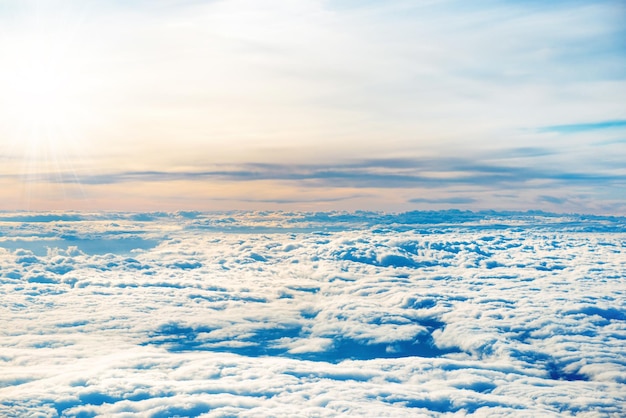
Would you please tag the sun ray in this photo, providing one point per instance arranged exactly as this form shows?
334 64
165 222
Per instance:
45 104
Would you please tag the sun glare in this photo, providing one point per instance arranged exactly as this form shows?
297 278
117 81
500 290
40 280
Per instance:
40 94
43 104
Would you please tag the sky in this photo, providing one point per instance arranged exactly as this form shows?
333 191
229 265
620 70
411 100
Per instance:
313 105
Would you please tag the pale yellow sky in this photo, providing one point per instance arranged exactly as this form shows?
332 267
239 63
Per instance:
312 105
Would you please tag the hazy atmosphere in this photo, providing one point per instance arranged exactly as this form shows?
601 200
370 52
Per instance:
312 208
313 105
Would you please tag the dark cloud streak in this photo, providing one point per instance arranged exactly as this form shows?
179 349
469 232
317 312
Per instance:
384 173
447 201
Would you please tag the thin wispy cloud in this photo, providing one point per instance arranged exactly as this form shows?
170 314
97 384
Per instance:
551 199
470 183
585 127
448 201
394 173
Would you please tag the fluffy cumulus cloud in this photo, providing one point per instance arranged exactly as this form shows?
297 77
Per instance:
311 314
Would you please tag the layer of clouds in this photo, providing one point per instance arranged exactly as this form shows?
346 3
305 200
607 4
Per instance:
479 181
384 174
311 314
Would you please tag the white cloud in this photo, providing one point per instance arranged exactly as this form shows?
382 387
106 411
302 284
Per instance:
493 314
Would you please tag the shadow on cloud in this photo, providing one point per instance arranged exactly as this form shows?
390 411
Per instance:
269 341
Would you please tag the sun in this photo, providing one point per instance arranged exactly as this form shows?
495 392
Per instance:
44 102
40 93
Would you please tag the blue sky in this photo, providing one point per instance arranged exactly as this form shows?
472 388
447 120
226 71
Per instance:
313 105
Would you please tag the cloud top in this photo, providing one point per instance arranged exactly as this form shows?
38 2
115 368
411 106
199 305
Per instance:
266 313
